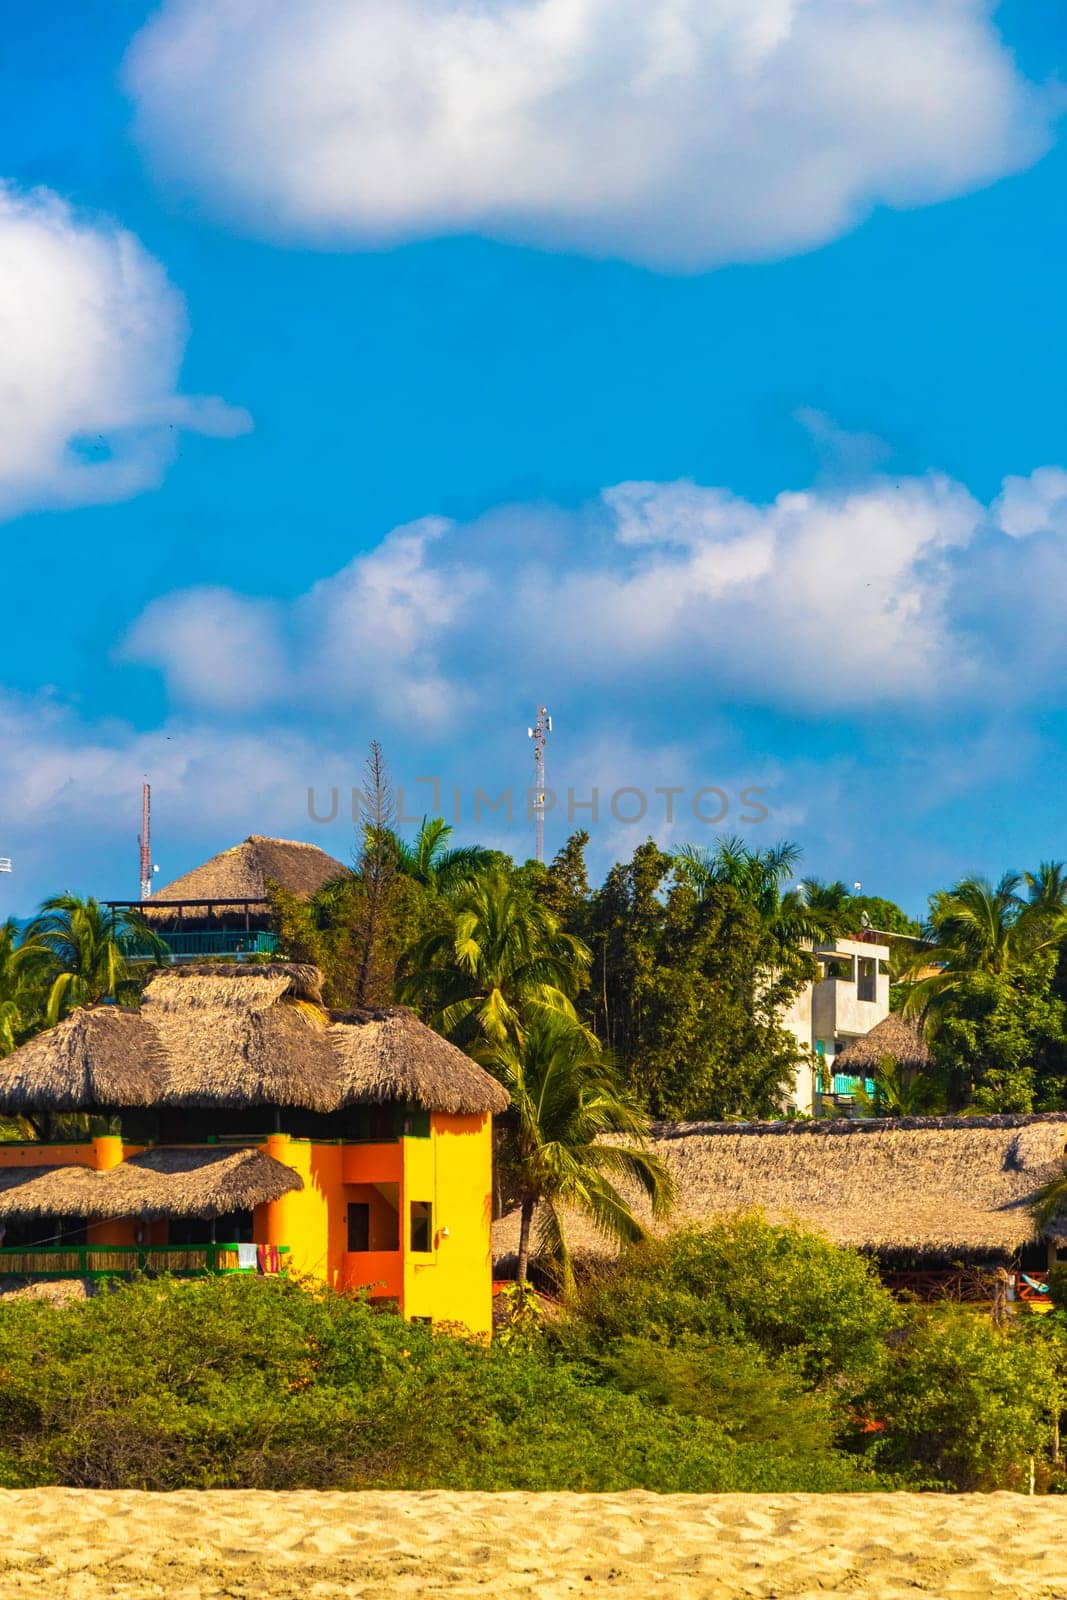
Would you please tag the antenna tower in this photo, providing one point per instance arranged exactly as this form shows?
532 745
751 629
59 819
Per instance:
539 734
145 841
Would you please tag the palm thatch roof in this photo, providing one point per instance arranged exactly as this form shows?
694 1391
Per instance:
896 1037
388 1054
237 1035
243 873
160 1183
102 1057
938 1187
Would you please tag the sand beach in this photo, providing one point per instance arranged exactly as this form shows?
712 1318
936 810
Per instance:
87 1544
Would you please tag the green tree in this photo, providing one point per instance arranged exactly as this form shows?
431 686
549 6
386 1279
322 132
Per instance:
436 864
565 886
89 950
688 986
502 962
566 1101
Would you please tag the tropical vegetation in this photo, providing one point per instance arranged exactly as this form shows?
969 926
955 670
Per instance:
749 1359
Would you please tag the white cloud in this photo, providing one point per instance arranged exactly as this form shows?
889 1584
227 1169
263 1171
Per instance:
678 133
884 595
91 340
1037 504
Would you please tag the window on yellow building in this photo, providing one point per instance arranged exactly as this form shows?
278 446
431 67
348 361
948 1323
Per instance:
421 1227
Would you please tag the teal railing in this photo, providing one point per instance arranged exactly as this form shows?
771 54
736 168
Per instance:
224 942
111 1260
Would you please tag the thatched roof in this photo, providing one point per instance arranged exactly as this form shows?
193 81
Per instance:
241 1035
389 1054
160 1183
102 1057
896 1037
926 1186
243 872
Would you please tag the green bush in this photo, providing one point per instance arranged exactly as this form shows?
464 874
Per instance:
246 1383
964 1406
788 1291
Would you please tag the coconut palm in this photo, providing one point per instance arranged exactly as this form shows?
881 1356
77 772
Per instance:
88 949
759 878
979 927
21 965
503 962
566 1100
436 865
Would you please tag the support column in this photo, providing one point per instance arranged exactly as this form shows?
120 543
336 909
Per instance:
107 1155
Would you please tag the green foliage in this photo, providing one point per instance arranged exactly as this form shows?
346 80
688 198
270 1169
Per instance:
736 1386
252 1383
558 1148
501 961
789 1291
84 949
999 1038
964 1405
687 982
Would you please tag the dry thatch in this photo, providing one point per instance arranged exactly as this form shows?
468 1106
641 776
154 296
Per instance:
102 1057
236 1035
939 1187
896 1037
243 873
390 1055
160 1183
242 1036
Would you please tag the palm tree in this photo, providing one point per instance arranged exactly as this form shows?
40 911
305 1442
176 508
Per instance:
503 962
795 918
21 961
431 862
979 927
900 1091
566 1100
89 949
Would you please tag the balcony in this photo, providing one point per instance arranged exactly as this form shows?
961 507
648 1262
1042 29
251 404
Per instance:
121 1260
228 942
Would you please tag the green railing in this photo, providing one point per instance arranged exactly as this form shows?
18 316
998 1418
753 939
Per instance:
224 942
111 1260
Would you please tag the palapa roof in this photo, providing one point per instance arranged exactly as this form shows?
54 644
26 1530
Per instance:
926 1186
160 1183
243 872
896 1036
389 1054
241 1035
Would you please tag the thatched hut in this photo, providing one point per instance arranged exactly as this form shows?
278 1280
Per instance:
245 871
908 1189
340 1138
897 1039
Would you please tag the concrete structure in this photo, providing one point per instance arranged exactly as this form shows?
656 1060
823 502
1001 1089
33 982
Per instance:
850 999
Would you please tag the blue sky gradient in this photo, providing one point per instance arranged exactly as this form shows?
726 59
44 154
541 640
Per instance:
504 388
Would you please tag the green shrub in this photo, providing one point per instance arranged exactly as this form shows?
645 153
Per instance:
246 1383
964 1405
788 1291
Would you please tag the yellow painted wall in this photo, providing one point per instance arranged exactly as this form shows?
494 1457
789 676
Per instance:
453 1169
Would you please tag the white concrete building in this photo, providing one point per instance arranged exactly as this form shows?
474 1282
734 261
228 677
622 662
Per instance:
849 1000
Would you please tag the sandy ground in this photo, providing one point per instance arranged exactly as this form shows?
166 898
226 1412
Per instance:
82 1545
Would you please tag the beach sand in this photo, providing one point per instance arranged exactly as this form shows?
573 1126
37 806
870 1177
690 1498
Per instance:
62 1544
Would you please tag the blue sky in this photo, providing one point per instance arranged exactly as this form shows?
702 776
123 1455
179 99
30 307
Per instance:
789 274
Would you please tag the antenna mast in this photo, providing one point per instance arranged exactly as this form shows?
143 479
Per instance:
539 734
145 841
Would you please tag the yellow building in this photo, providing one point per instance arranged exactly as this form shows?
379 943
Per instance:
258 1132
